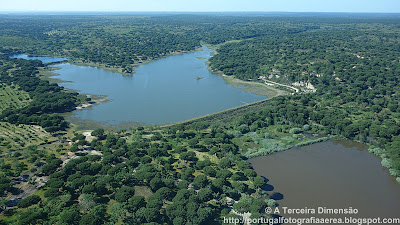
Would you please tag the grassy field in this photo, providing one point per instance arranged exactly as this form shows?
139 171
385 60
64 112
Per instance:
255 87
16 136
11 97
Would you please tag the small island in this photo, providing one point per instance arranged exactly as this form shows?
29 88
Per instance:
199 78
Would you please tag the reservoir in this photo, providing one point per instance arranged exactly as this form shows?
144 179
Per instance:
160 92
332 174
44 59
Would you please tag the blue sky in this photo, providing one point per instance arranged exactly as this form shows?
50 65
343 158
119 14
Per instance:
204 5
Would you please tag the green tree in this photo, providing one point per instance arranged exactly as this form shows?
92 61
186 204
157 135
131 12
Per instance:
259 182
156 183
28 201
70 215
124 194
200 181
205 194
136 202
98 132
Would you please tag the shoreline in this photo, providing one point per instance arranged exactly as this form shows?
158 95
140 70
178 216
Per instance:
249 86
254 87
117 69
49 73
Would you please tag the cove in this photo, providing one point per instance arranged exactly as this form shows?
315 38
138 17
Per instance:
44 59
333 174
160 92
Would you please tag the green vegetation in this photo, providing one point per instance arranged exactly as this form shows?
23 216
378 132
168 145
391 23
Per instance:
17 136
254 87
28 201
119 43
354 70
12 98
47 98
189 172
173 166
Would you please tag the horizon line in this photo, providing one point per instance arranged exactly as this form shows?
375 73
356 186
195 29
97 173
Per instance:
116 11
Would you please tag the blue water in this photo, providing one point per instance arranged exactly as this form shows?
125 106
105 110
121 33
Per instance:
161 92
44 59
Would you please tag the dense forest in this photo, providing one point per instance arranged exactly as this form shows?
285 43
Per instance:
127 41
195 172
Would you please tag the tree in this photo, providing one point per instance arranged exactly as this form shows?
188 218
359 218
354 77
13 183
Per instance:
149 214
243 205
224 163
179 221
271 203
250 173
187 174
240 187
259 182
203 214
156 183
5 183
209 171
51 193
238 176
32 216
117 212
200 181
124 193
55 183
101 188
89 188
165 193
188 156
98 132
51 167
224 174
28 201
193 142
205 195
70 215
90 219
183 184
155 201
136 202
96 216
218 184
3 203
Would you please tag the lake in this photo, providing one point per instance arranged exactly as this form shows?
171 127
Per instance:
160 92
44 59
332 174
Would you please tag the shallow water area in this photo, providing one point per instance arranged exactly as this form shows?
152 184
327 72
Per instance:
335 175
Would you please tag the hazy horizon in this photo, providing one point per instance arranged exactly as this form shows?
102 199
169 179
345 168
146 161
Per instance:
180 6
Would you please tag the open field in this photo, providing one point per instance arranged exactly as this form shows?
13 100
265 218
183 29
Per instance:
255 87
16 136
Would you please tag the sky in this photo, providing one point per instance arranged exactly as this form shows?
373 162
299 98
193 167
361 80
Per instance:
384 6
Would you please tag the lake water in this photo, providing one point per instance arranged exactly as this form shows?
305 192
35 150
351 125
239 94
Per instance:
44 59
332 174
163 91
